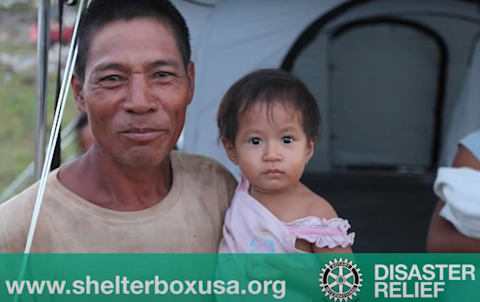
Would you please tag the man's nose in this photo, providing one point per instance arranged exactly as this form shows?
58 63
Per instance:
140 99
272 152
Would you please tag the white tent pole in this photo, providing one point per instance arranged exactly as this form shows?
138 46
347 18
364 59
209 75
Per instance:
72 55
43 30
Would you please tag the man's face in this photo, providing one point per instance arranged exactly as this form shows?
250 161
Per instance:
136 91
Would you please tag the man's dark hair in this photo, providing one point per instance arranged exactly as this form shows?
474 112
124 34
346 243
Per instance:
101 12
270 87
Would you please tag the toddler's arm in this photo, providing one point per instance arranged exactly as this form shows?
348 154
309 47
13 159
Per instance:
323 209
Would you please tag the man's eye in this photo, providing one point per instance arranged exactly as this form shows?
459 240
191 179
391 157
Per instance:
112 81
254 141
287 139
161 74
111 78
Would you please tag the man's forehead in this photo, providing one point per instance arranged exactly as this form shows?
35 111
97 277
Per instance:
122 65
159 20
124 27
139 41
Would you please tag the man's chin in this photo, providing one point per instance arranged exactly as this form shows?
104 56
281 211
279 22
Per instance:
144 160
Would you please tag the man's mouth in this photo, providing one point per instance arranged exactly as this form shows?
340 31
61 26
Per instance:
143 135
141 130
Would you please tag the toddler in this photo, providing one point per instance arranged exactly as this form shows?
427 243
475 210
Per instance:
268 123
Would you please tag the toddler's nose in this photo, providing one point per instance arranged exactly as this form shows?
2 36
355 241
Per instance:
272 152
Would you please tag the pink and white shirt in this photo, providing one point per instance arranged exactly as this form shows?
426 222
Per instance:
250 227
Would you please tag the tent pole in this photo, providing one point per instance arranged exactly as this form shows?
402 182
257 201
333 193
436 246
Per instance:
42 80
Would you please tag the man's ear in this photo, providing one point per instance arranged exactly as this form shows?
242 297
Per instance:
310 149
77 90
230 150
191 80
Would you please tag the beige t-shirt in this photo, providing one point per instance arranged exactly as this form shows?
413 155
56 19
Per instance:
188 220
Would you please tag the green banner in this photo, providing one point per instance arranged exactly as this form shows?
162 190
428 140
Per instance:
252 277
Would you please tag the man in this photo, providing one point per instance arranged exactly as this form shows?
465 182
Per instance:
130 192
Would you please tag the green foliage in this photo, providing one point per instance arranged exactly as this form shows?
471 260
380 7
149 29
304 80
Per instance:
18 114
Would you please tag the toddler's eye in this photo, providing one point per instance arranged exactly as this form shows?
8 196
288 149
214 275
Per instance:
254 141
287 140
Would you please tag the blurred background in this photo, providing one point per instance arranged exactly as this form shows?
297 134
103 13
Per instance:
396 82
18 82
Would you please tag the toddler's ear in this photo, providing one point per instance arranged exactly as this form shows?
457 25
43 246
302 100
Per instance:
310 149
230 149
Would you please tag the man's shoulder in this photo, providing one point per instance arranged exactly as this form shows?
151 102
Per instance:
25 200
15 215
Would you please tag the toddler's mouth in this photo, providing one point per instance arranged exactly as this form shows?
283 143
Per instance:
273 172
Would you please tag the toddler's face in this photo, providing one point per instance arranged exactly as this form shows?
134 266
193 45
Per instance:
270 151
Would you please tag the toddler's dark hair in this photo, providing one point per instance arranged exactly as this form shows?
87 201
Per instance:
267 86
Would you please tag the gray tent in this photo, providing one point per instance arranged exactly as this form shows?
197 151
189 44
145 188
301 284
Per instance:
396 82
392 77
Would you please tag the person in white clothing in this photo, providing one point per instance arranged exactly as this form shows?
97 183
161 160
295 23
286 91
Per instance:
443 236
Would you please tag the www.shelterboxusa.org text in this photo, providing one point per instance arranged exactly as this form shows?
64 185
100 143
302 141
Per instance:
122 285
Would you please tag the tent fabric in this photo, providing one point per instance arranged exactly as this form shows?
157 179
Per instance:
230 40
466 114
447 8
466 109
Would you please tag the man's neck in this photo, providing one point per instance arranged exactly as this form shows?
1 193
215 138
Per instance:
106 183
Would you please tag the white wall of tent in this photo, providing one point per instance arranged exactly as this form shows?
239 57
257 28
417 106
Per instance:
396 80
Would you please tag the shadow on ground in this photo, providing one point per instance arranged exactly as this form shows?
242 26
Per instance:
389 213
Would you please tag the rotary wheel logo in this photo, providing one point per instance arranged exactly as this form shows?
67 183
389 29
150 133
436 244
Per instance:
340 280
